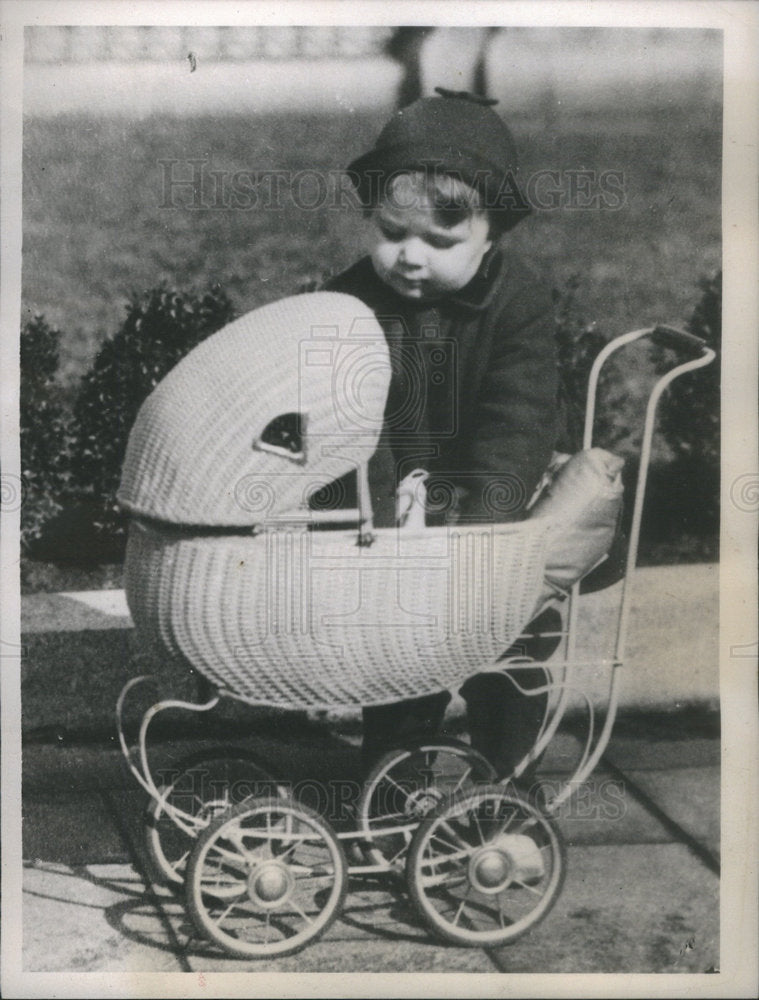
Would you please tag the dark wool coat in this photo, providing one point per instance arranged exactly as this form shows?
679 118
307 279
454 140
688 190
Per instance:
473 393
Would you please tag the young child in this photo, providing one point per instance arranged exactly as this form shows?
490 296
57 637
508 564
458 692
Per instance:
473 393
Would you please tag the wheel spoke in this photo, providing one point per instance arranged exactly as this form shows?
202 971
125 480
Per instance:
317 869
215 883
396 785
288 850
450 847
301 911
461 906
456 838
401 850
444 879
176 865
461 780
476 819
261 842
309 876
505 824
228 857
225 913
451 856
378 825
525 885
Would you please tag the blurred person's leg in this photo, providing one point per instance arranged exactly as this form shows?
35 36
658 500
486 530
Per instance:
504 722
404 722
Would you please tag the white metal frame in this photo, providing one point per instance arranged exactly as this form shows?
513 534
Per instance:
591 754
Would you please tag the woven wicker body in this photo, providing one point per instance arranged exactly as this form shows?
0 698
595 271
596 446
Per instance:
304 619
195 455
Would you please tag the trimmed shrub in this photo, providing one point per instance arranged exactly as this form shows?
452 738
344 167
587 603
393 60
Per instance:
43 432
578 346
691 416
690 423
160 328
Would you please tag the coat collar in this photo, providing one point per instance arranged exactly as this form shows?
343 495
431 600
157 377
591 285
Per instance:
478 293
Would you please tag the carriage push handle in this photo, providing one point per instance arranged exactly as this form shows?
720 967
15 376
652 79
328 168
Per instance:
665 336
698 355
669 337
679 340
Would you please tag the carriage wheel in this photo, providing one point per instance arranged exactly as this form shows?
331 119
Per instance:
266 878
202 786
407 784
485 867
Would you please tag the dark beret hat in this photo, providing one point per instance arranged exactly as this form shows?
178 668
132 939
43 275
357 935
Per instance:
456 133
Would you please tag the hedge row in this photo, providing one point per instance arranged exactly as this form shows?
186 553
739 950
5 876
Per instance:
73 461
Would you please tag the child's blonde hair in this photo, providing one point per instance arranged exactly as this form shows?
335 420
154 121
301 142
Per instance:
451 199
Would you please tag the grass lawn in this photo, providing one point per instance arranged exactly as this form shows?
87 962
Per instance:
98 221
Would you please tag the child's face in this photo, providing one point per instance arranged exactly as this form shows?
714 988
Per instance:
416 255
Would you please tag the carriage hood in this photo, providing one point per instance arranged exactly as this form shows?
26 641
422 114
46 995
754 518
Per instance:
261 415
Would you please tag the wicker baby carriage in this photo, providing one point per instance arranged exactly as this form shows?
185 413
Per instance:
233 570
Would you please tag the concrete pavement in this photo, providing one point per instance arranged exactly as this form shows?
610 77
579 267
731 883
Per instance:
641 894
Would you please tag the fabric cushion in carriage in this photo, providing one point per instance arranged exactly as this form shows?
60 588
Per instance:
261 415
581 495
304 619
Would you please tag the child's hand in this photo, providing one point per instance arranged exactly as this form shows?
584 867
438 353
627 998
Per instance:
411 500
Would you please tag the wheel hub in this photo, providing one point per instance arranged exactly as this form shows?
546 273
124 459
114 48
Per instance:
421 802
270 884
490 870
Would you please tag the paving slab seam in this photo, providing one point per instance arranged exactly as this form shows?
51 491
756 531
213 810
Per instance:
680 835
155 901
704 855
